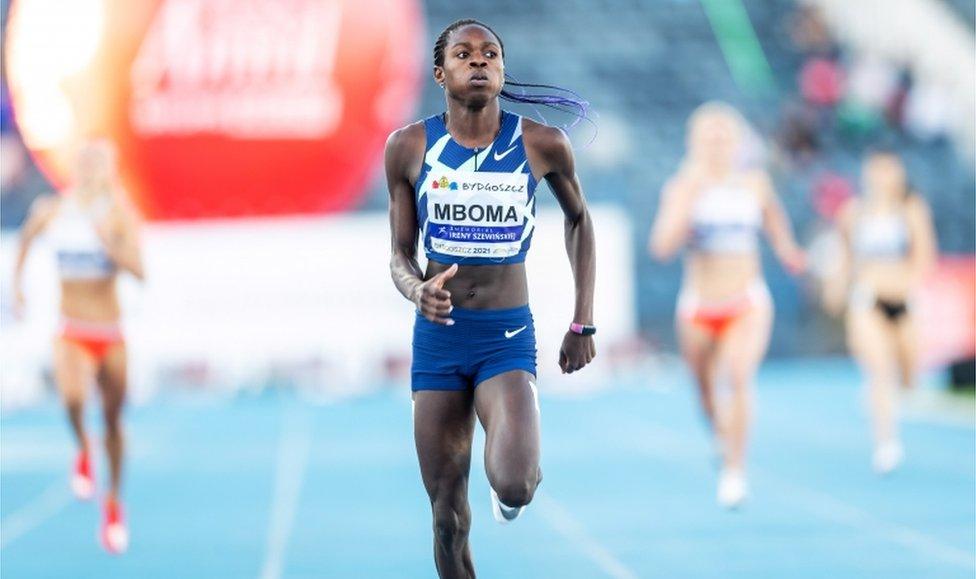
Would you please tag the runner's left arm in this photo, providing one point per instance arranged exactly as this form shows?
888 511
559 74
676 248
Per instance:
553 155
122 237
777 226
924 245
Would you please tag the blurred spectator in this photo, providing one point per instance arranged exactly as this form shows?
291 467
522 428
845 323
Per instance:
798 132
6 110
927 111
895 108
810 34
830 192
13 162
872 81
857 121
821 81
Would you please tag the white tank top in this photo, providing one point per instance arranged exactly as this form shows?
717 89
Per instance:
881 237
726 219
80 252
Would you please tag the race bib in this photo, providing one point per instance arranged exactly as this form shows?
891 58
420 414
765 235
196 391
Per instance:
471 214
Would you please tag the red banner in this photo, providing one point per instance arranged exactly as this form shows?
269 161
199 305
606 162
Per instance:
947 311
219 108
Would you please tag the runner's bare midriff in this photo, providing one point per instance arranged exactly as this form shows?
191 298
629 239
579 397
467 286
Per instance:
485 287
887 280
90 300
716 277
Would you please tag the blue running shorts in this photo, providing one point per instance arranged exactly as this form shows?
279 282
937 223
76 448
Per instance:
480 345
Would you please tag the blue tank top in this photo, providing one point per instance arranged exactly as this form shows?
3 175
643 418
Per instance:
476 206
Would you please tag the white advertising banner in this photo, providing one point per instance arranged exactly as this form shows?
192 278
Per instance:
306 302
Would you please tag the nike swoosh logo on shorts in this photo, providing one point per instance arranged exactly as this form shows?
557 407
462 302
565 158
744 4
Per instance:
512 333
505 154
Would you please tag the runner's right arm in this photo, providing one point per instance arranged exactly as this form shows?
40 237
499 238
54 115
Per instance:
837 287
404 155
41 212
673 222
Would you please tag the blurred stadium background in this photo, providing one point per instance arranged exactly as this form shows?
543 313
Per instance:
251 134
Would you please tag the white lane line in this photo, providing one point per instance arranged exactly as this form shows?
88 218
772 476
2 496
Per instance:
293 451
563 522
818 503
826 506
32 515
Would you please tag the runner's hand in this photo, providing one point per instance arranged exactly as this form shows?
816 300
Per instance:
433 301
20 303
795 262
106 235
577 351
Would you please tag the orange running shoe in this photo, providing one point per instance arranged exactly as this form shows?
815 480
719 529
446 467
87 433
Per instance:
114 533
82 481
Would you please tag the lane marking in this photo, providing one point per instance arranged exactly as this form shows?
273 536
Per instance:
35 513
818 503
293 452
563 522
827 506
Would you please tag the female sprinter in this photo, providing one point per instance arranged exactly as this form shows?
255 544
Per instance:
889 246
95 233
724 313
464 182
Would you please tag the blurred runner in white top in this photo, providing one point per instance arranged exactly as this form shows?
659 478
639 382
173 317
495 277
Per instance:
889 245
724 317
95 233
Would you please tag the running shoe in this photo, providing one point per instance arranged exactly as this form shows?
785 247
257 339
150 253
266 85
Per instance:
502 513
82 481
887 457
733 489
114 534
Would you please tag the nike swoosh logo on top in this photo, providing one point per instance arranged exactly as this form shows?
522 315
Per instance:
505 154
512 333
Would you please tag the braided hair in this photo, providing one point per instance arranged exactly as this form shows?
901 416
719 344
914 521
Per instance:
565 100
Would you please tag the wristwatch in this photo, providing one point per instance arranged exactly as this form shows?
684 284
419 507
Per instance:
582 329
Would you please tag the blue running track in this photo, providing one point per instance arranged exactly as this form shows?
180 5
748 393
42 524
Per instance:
266 486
